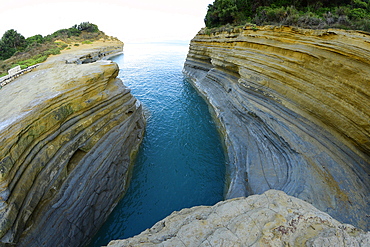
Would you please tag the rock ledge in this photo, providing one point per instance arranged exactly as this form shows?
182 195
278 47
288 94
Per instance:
270 219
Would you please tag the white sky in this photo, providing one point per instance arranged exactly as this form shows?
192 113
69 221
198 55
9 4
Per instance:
129 20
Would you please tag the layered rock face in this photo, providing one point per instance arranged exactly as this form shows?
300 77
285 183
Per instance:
68 134
293 106
270 219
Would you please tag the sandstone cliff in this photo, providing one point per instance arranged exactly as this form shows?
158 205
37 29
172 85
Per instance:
270 219
293 105
68 132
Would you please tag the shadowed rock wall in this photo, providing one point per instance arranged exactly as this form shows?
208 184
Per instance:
293 105
68 134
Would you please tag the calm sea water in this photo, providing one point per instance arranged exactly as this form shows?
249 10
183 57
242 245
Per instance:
181 161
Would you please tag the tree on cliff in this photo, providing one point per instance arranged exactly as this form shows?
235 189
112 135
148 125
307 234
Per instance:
11 42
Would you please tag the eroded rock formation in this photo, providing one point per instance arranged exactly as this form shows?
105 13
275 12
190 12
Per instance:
294 109
270 219
68 134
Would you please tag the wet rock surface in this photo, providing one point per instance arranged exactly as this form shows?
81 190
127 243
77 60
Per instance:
68 134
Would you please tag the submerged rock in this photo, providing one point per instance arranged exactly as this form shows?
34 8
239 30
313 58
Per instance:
270 219
68 135
293 106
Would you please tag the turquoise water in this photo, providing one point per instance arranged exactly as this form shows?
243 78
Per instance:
181 161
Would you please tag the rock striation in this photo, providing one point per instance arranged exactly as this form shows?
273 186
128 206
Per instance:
293 106
270 219
68 134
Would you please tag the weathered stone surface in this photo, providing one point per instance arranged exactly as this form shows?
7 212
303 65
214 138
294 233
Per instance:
68 134
270 219
293 106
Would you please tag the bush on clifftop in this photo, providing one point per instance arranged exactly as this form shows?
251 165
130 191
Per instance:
346 14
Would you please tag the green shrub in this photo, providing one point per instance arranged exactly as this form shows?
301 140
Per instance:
363 25
281 15
36 39
27 63
276 15
360 4
342 11
63 46
32 61
76 44
52 51
87 27
357 13
310 20
41 59
67 33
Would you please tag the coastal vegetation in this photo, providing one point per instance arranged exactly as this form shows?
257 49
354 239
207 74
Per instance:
16 50
344 14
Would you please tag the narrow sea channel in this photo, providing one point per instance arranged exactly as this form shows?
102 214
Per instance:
181 161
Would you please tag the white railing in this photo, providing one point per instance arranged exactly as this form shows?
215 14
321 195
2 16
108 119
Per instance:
15 73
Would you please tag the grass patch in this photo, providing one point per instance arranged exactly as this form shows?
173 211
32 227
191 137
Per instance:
32 61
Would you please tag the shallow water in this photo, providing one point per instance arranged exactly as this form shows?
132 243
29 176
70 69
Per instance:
181 161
